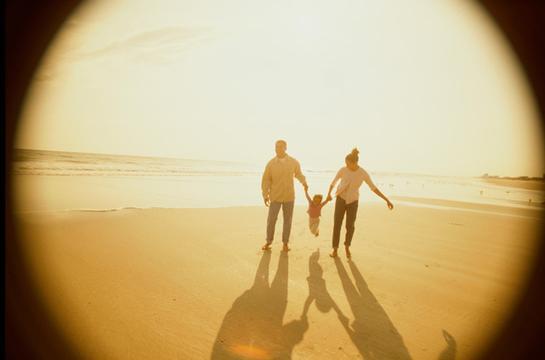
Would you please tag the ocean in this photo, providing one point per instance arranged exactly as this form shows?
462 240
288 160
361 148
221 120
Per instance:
64 181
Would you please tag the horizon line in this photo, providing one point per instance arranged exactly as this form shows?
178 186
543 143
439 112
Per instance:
250 163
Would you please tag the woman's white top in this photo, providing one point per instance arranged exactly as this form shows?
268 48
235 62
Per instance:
350 184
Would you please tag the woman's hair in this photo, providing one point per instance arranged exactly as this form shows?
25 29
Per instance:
353 156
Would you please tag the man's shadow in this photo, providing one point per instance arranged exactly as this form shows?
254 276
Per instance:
253 328
372 331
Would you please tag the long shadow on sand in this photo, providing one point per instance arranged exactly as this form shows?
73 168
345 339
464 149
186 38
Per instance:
449 353
317 290
253 328
372 331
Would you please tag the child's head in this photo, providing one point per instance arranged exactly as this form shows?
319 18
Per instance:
317 199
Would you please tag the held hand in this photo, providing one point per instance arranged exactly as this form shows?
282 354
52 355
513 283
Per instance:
305 186
329 198
266 201
390 205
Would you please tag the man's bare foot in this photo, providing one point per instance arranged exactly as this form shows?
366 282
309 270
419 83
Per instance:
267 246
348 254
285 248
334 253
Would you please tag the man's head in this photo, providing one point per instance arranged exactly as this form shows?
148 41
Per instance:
280 147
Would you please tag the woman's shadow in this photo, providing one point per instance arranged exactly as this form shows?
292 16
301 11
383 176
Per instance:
253 328
372 331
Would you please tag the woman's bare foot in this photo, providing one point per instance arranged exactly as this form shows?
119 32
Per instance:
285 248
348 254
267 246
334 253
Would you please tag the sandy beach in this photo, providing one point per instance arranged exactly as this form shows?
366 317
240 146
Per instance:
424 283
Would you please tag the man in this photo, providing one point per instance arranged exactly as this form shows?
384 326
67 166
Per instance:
278 191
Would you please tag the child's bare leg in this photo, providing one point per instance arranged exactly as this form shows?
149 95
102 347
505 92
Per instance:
347 249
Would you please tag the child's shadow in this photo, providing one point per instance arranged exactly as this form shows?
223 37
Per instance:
317 290
253 327
372 331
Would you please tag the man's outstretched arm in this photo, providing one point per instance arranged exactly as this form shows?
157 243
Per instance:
299 176
307 195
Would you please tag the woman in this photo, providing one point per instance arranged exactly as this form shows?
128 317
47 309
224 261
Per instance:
351 176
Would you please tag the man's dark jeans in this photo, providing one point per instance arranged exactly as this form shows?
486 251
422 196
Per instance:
340 209
287 214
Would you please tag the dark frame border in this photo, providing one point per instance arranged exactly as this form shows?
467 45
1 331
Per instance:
30 26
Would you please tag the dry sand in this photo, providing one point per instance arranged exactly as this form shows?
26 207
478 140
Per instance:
424 283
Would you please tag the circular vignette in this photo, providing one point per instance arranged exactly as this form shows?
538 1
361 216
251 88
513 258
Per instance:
30 332
30 26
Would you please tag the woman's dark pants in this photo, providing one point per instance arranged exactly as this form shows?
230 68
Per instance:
340 209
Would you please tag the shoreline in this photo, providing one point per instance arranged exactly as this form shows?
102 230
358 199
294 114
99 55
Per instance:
529 184
443 204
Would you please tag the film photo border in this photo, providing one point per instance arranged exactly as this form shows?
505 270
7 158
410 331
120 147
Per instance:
30 26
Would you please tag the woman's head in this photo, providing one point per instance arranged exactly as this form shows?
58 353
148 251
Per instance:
352 159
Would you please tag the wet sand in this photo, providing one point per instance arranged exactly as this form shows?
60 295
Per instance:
523 184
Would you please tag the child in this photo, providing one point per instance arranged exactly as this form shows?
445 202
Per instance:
314 211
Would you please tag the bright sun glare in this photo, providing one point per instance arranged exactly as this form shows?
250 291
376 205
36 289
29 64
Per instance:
421 87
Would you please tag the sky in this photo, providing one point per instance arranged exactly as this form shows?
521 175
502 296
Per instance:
423 86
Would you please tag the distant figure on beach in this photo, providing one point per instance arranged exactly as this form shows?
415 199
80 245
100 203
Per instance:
278 191
347 196
314 211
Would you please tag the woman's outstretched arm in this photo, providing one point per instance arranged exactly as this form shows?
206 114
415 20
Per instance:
375 189
388 202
